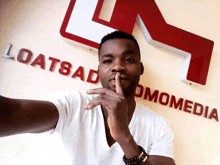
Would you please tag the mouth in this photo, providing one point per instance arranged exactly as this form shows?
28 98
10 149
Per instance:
121 78
122 81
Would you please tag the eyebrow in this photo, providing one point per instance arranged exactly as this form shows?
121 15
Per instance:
128 52
131 52
125 52
107 55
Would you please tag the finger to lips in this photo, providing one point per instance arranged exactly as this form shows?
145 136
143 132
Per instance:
119 89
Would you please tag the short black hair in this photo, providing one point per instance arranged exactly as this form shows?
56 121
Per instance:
118 34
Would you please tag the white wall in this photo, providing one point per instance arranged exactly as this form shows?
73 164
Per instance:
35 25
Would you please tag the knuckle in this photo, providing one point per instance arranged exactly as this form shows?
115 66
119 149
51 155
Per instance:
122 99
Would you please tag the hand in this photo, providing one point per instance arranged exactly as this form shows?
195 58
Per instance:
115 104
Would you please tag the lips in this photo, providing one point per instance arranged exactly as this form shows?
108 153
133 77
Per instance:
121 78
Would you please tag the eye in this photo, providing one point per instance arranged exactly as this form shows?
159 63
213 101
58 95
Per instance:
107 61
130 60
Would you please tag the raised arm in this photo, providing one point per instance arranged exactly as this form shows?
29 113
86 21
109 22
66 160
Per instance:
116 106
26 116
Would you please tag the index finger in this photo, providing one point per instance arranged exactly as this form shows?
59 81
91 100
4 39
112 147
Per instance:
118 87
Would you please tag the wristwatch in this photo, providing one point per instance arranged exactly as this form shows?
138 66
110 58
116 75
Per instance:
137 160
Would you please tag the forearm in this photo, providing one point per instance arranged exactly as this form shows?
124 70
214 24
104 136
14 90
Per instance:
7 111
26 116
129 146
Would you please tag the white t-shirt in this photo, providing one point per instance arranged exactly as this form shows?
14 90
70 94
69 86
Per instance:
83 131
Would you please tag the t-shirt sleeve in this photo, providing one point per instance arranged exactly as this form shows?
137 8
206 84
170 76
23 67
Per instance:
162 143
68 105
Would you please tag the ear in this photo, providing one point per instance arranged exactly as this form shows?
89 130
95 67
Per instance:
142 68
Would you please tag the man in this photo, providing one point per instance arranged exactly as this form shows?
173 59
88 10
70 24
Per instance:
105 126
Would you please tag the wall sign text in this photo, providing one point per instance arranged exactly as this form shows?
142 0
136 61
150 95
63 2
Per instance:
25 56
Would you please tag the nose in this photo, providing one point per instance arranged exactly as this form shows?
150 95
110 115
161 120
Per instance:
118 67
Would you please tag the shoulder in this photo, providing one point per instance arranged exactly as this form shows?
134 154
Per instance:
66 101
68 97
70 106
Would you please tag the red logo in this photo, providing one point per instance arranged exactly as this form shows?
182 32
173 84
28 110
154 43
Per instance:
82 24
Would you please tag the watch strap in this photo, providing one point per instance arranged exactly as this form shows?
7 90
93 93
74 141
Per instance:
141 158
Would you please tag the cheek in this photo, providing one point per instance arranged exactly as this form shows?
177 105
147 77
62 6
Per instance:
104 69
134 70
103 73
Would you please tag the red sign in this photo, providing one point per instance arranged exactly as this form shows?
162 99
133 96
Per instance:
82 24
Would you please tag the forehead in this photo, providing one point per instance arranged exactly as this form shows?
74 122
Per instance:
118 46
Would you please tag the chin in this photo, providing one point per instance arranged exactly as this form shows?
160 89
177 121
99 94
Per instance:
128 93
130 90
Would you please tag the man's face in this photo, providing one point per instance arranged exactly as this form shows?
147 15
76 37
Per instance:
120 55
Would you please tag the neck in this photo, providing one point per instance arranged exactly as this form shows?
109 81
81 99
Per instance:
131 106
